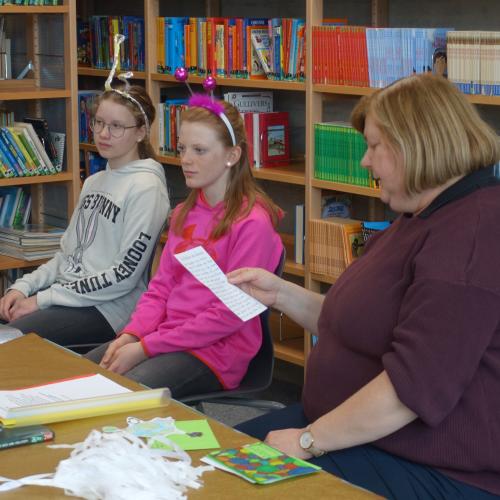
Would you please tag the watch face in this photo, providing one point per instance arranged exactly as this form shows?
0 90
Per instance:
306 440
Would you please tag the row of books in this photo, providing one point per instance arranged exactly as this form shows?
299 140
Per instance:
474 61
95 42
30 2
375 57
86 100
6 118
30 241
268 138
169 120
22 152
338 150
257 48
333 244
15 206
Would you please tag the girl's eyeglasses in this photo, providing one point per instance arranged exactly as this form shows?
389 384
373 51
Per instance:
115 129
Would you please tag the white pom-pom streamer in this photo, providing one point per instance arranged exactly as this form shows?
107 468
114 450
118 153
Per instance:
120 466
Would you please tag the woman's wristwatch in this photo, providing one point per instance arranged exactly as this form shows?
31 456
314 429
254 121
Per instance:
306 442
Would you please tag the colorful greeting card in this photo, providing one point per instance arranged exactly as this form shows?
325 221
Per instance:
259 463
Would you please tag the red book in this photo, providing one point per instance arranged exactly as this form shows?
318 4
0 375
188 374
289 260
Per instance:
274 139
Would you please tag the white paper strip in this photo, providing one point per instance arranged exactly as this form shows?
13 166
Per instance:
205 269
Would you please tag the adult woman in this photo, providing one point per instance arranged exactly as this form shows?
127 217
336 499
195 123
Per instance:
409 338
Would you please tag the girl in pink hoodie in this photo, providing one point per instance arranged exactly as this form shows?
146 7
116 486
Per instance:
180 335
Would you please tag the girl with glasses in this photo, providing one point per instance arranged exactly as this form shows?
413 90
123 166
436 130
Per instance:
180 335
88 290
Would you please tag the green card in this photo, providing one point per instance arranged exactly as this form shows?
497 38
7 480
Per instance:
198 436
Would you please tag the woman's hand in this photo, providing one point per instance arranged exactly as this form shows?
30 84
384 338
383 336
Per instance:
8 301
287 441
23 307
126 357
123 339
260 284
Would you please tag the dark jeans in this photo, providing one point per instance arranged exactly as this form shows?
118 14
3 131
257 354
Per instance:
67 326
181 372
371 468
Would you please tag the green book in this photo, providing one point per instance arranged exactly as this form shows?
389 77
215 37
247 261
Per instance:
30 434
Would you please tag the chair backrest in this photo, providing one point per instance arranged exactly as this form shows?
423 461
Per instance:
260 369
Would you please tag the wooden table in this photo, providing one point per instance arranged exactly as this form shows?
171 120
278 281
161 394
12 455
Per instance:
31 360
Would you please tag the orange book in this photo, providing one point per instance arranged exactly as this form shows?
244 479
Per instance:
160 45
193 44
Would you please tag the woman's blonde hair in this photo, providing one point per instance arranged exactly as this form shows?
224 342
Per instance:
438 132
242 191
145 149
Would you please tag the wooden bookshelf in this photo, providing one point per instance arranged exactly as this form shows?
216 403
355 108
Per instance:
38 179
291 350
103 73
236 82
30 89
345 188
31 9
289 174
12 93
7 263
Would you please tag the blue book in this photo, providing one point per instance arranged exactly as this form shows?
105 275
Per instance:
10 199
21 159
4 146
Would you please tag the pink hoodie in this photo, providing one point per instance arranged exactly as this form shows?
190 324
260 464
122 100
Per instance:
178 313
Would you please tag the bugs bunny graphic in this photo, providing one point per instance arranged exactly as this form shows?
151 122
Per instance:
85 235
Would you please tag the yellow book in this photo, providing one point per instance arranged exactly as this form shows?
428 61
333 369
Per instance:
30 165
160 47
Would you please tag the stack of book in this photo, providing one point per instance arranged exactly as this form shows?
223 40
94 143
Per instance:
31 241
334 243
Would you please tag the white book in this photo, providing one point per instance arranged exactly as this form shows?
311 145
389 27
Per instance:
299 234
251 102
256 141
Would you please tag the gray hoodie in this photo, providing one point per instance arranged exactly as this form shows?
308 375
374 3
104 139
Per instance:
103 261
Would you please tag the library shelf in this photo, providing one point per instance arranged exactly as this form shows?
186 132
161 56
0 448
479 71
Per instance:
237 82
323 278
290 174
86 146
346 188
32 9
489 100
7 263
342 89
169 160
291 267
37 179
86 71
15 93
291 350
